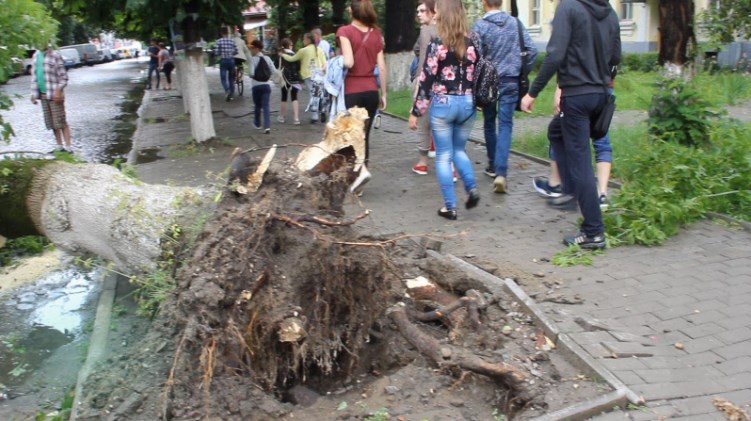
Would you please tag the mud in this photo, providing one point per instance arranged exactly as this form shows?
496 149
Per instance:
280 313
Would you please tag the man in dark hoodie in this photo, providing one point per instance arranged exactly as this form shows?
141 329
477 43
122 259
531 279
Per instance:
582 66
499 34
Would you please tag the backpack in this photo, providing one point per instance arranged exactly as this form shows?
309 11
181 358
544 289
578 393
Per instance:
290 71
262 72
486 84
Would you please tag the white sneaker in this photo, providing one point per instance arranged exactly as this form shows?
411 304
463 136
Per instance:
257 127
297 122
280 119
267 131
360 182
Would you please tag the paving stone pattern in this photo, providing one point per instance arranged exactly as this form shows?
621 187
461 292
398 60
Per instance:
638 302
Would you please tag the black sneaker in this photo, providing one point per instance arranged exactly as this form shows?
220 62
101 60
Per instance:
585 241
563 202
543 187
473 199
604 202
490 172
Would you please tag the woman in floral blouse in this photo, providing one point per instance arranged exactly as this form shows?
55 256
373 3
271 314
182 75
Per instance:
446 87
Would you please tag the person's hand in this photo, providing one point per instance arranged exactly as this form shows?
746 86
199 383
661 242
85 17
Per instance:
384 102
57 96
34 99
527 103
412 122
557 101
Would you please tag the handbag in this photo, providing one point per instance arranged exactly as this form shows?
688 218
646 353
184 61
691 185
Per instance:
524 73
600 124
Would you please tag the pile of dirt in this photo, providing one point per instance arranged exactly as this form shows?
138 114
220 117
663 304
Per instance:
285 310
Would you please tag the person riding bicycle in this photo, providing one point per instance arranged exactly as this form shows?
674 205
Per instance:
243 53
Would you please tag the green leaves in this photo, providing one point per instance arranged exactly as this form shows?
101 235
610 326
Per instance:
668 185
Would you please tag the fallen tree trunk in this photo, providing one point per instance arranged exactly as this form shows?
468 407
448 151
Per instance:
95 209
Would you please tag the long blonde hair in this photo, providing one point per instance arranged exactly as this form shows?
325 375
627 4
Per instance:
452 25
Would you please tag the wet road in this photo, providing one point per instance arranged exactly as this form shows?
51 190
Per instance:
100 104
43 334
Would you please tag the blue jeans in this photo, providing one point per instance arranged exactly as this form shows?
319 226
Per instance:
451 120
153 68
261 95
498 143
227 75
568 134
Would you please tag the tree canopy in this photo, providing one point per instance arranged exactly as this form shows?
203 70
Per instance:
26 24
726 20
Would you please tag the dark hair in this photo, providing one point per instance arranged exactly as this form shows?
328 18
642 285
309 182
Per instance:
310 37
286 43
430 4
161 44
363 11
223 31
257 44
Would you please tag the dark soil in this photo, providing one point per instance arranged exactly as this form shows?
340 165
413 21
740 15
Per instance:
279 314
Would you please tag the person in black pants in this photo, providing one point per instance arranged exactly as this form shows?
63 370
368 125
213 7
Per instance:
582 59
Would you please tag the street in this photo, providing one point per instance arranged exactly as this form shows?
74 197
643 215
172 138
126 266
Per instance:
101 102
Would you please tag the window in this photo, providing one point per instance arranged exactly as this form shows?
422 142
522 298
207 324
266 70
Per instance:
535 12
627 11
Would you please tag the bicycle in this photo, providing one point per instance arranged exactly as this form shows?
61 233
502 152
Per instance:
239 80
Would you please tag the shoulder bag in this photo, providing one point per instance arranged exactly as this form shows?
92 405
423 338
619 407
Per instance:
599 126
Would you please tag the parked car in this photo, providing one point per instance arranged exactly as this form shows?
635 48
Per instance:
88 53
71 58
117 54
105 55
18 68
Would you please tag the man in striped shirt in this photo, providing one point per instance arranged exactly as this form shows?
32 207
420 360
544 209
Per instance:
226 49
48 80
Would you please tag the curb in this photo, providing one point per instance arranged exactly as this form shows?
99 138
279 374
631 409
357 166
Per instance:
98 341
576 355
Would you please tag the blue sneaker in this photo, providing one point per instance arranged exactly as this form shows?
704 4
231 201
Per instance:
542 186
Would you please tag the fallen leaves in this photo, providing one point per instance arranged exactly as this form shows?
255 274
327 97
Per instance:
730 410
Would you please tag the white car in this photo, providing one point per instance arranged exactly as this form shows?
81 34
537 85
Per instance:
71 58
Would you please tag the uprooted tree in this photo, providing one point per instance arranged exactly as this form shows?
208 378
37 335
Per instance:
280 288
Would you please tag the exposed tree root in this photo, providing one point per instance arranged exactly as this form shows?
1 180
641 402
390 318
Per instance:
448 356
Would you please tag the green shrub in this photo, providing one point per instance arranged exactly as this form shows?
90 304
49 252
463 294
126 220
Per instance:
679 113
638 62
23 246
667 185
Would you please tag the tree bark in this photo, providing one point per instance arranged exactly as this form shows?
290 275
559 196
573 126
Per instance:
400 32
677 37
310 12
118 218
194 86
337 13
197 92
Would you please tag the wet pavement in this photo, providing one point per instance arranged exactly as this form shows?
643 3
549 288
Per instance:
45 325
101 103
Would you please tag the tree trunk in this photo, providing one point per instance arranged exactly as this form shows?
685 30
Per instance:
197 92
194 86
118 218
310 12
337 13
401 31
677 38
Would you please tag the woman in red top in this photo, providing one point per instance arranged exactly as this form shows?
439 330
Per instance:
362 47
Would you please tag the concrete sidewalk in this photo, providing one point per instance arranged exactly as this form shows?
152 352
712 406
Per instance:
635 303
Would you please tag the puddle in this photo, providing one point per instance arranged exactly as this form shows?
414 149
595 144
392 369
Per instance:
148 155
39 318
